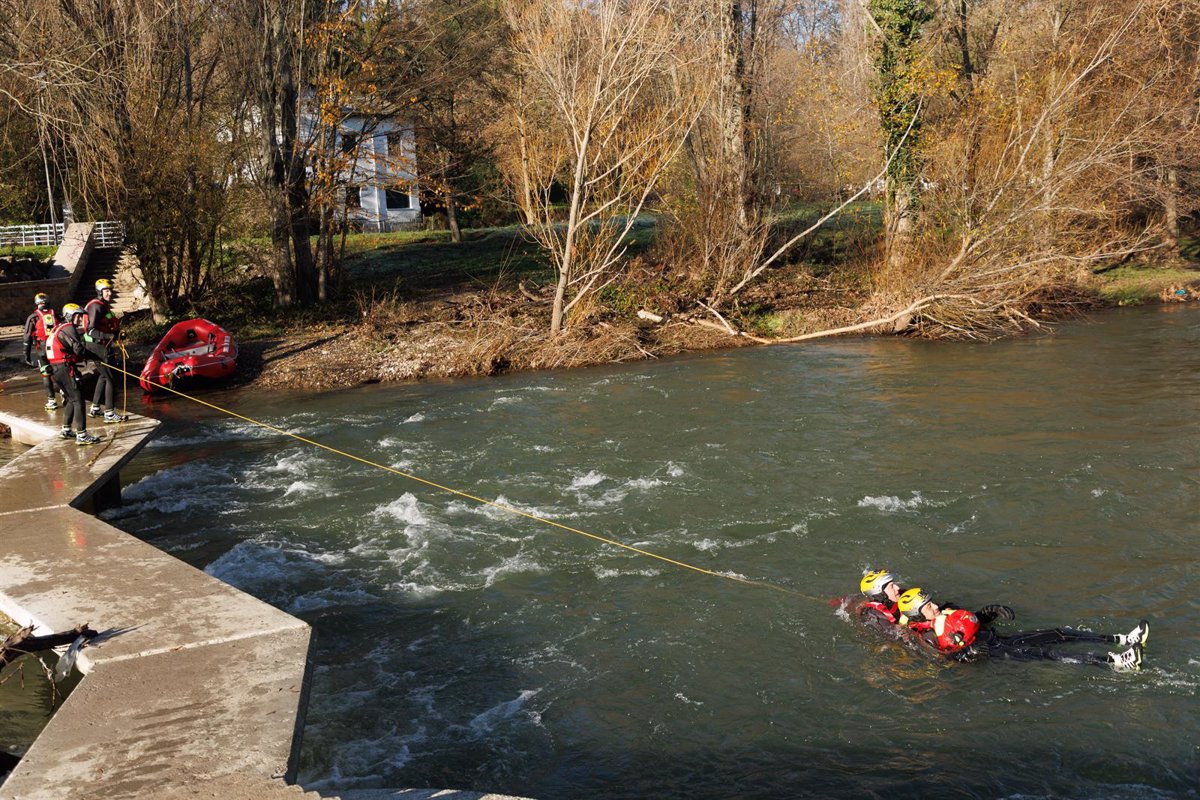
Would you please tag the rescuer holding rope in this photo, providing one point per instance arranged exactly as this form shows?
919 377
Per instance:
63 349
100 334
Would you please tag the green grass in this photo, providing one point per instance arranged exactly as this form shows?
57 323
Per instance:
1134 285
42 253
416 265
432 262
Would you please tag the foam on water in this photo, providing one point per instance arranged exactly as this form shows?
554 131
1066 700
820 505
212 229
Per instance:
586 481
298 461
305 489
405 508
604 573
418 417
511 565
268 571
494 513
892 503
325 598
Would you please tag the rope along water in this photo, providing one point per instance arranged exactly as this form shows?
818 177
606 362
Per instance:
493 504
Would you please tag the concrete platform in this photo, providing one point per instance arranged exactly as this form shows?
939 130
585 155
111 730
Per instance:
193 681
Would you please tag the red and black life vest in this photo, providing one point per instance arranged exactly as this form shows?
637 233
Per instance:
56 353
46 320
955 629
106 320
890 612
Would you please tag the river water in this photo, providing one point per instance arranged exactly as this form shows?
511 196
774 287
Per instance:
462 646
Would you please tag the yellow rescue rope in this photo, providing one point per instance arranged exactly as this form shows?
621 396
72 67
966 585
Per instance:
502 506
124 378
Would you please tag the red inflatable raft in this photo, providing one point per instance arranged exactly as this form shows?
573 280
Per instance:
192 347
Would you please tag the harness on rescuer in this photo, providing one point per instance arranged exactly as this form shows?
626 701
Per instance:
45 319
45 323
55 352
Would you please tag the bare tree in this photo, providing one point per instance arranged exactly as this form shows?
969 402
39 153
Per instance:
451 72
600 121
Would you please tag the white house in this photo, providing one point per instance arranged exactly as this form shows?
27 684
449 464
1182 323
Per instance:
381 191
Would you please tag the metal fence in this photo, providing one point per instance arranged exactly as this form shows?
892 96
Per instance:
31 235
110 233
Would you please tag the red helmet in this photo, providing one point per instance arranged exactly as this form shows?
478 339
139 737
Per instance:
955 629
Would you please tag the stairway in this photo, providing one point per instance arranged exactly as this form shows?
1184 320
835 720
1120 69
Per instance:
118 266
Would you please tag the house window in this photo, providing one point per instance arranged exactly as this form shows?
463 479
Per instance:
349 141
395 143
398 198
353 197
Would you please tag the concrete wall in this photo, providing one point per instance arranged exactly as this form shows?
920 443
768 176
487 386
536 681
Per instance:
16 299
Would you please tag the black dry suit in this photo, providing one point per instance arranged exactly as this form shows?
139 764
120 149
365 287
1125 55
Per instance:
1030 645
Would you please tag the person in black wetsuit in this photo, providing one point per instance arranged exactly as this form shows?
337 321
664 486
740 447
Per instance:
38 326
961 635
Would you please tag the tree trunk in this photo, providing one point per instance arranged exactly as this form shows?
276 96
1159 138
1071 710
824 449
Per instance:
526 192
899 222
1171 212
452 216
296 188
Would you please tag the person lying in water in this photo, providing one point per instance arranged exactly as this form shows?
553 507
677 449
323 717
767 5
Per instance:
963 636
883 594
881 607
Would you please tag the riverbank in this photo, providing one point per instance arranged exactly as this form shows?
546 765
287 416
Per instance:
421 307
501 329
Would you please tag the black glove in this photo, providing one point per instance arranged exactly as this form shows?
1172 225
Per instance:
968 654
994 612
28 363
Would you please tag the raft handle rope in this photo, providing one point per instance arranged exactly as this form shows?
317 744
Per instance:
482 501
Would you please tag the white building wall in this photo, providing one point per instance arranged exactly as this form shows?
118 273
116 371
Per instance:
377 170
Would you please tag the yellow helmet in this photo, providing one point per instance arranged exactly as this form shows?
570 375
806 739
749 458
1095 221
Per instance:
912 601
102 284
875 581
41 299
70 310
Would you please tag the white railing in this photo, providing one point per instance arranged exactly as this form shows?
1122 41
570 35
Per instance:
31 235
110 233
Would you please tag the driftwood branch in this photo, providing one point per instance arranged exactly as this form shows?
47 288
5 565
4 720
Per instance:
23 642
903 316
